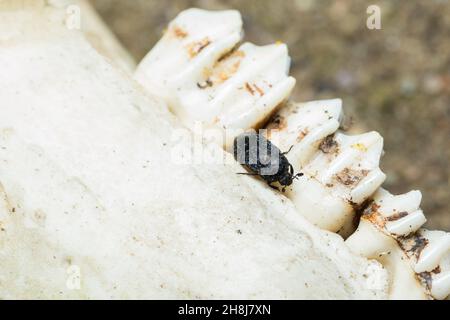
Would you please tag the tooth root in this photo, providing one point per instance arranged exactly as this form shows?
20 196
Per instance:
436 249
261 66
408 224
350 170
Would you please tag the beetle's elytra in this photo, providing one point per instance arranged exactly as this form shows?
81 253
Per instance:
264 159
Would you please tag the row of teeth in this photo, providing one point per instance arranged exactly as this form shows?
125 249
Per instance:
207 77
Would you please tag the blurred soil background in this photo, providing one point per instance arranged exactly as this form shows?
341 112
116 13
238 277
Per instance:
395 80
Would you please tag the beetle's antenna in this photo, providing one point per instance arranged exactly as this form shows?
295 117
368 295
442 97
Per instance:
284 153
300 174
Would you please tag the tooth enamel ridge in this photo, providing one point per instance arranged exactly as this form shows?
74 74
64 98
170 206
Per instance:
205 77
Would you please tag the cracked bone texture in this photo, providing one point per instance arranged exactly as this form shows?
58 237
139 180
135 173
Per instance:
87 183
389 231
197 68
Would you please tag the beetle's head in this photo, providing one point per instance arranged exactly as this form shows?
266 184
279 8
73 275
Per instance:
289 178
286 179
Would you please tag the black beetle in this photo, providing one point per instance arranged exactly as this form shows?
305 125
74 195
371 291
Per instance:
264 159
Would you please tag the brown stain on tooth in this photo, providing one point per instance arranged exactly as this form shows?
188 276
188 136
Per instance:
277 123
249 88
397 216
226 67
349 177
196 47
329 145
179 32
205 84
413 245
302 135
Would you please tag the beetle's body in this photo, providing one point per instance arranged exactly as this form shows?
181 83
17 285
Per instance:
264 159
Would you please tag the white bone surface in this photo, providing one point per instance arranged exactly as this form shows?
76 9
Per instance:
96 32
87 184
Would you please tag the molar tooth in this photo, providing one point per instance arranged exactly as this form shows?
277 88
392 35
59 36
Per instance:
259 64
391 204
179 52
205 79
346 170
398 215
303 126
408 224
367 186
339 168
356 152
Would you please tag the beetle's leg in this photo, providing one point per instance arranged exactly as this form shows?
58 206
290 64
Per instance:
273 187
300 174
284 153
247 173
